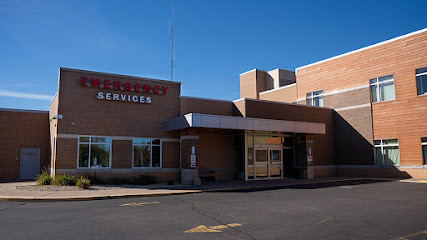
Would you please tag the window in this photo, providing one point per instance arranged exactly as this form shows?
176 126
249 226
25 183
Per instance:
382 89
424 149
147 152
387 152
421 75
315 98
94 152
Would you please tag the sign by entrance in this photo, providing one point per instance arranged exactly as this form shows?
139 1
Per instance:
193 160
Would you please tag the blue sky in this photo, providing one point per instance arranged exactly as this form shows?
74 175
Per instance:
215 41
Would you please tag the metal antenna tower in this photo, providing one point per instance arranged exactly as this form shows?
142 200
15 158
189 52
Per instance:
171 37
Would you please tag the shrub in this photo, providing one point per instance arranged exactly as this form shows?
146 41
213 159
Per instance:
44 179
143 180
83 183
65 180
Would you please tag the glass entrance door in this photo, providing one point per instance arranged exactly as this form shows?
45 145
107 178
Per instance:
268 163
261 163
275 163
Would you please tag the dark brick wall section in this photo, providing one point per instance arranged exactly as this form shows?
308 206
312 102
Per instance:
122 154
186 145
170 154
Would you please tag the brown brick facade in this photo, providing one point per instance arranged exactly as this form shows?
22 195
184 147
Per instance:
20 128
120 119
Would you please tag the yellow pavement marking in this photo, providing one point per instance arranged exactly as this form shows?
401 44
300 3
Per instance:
218 227
234 225
407 237
423 181
203 228
133 204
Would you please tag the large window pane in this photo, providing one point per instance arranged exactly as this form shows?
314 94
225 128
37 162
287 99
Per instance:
250 140
156 156
318 101
387 91
391 155
422 84
100 155
250 156
261 156
84 139
141 141
260 139
378 156
309 101
141 156
374 93
390 142
137 156
424 147
84 155
100 140
385 78
155 141
317 93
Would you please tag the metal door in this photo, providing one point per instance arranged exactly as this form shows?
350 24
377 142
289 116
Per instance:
29 162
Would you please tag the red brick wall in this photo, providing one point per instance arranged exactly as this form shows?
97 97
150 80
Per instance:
84 114
22 129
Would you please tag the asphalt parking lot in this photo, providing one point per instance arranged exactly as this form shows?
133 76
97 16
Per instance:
356 210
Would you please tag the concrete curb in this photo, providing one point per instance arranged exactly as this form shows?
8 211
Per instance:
103 197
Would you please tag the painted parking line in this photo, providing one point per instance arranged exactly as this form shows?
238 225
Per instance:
203 228
134 204
409 236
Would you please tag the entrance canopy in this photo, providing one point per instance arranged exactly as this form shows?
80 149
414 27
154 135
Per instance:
198 120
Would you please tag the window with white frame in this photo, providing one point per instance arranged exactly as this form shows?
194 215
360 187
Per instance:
315 98
382 89
387 152
421 76
147 152
424 149
94 152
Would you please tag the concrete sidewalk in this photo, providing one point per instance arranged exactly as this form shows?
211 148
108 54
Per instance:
9 191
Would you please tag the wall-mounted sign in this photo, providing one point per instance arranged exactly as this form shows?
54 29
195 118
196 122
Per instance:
193 160
123 97
309 158
125 86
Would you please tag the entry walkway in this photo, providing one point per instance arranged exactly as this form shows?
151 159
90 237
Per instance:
14 191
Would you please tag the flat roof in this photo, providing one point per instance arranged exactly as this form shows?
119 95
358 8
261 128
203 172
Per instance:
364 48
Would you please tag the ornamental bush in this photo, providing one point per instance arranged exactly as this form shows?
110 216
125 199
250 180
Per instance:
83 183
44 179
65 180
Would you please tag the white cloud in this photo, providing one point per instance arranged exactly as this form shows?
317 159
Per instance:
25 95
